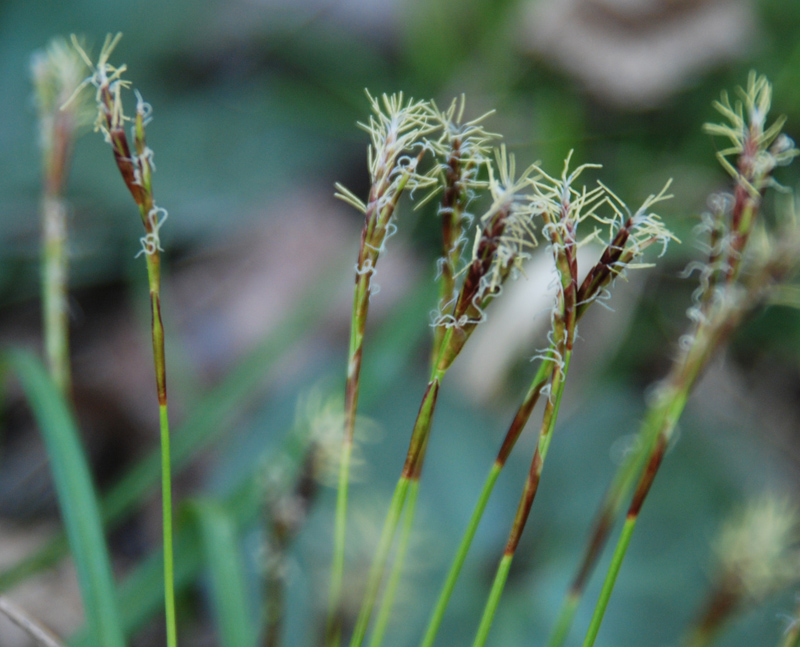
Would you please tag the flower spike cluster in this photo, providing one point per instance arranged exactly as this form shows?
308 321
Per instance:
135 162
630 234
757 555
758 147
462 151
56 72
396 128
504 235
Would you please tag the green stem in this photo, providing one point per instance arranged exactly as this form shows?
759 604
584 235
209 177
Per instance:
54 291
357 327
413 463
656 455
611 578
379 560
494 599
339 538
461 555
566 615
169 563
528 492
658 426
154 279
373 235
384 613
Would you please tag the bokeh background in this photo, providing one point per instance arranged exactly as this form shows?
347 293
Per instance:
256 104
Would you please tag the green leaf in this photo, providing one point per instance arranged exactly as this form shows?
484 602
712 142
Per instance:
222 556
76 497
142 593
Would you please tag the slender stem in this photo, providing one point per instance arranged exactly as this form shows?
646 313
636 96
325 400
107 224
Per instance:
621 486
528 496
339 537
566 615
373 235
275 596
608 585
357 327
154 277
642 489
40 635
379 560
169 563
54 291
416 449
461 555
721 604
494 599
612 503
384 613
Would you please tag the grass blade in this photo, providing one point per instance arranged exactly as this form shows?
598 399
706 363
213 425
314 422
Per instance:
222 556
76 497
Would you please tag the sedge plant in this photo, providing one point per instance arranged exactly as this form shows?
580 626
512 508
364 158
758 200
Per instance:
461 150
134 159
562 208
745 264
57 71
732 284
396 129
502 240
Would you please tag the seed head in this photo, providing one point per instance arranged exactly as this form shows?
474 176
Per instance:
396 129
758 147
57 72
758 548
462 148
